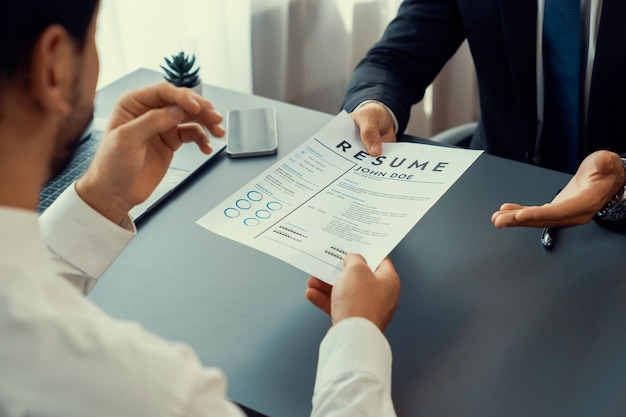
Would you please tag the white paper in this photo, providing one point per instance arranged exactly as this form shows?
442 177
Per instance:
329 197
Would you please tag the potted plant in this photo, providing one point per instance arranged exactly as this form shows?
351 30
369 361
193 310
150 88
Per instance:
180 72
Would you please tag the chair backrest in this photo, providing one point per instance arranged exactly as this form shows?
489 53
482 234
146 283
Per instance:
460 135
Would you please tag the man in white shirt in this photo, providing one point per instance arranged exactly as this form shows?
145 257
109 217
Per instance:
59 354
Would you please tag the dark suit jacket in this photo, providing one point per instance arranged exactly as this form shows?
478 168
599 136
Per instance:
502 39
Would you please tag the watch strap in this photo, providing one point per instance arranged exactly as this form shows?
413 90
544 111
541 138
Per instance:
615 210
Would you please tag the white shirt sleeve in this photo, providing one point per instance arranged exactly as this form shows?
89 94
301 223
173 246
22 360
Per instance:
60 355
82 242
354 372
111 367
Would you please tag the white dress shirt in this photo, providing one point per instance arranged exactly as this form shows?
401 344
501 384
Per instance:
60 355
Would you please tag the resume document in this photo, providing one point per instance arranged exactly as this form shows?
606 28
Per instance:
329 197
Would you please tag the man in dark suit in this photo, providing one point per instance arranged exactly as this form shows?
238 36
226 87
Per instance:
550 74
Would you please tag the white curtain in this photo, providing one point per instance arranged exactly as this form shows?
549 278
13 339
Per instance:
139 33
304 52
298 51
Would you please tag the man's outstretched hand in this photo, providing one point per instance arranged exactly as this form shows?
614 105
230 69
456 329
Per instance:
599 177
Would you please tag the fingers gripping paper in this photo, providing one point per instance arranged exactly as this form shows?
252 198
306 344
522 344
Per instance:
329 197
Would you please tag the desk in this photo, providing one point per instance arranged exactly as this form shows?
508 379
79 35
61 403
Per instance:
488 324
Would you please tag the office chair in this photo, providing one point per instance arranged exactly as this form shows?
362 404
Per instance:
460 135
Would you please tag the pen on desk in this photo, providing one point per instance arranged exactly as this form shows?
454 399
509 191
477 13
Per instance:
548 235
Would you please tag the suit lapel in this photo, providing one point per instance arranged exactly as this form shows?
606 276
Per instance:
608 73
519 24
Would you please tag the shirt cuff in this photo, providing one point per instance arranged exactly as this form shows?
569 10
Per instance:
354 345
80 235
396 127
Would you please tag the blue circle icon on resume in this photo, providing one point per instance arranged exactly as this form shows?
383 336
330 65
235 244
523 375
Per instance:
274 206
251 222
231 213
263 214
254 196
243 204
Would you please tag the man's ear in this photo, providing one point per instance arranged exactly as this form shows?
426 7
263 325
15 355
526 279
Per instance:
52 70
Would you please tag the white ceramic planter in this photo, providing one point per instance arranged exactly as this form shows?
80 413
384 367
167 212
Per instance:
197 89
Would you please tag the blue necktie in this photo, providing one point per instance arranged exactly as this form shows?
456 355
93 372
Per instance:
562 68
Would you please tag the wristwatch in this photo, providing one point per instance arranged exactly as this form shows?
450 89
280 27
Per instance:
615 209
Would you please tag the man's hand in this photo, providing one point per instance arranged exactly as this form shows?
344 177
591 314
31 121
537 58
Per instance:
376 126
146 128
599 177
358 292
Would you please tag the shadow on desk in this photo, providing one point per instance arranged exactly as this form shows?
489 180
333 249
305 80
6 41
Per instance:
251 413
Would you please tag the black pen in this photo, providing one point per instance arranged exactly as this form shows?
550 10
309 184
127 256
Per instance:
548 236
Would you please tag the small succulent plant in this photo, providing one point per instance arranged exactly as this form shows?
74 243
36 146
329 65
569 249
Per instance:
180 72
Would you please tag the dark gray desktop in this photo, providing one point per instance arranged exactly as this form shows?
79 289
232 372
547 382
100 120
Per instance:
489 322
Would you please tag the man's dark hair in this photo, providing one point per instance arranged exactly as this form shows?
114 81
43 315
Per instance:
23 21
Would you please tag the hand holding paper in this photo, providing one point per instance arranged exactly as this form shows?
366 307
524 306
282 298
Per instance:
329 197
358 292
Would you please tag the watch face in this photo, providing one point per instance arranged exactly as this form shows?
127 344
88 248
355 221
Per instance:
613 216
617 212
